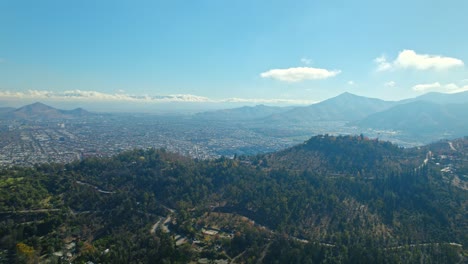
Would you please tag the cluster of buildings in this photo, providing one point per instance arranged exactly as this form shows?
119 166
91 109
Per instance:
26 143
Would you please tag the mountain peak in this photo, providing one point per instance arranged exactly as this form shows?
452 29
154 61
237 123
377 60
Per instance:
35 108
349 98
76 112
38 104
347 94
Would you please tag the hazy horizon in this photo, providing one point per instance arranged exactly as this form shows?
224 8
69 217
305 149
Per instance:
169 107
239 53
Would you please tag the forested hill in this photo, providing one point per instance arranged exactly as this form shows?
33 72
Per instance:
350 155
337 199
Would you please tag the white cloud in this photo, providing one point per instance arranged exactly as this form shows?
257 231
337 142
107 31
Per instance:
351 83
306 60
99 96
299 74
382 64
410 59
267 101
438 87
390 84
426 86
453 88
95 96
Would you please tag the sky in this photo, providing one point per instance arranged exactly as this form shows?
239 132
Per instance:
201 52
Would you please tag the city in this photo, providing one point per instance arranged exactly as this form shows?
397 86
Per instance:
28 143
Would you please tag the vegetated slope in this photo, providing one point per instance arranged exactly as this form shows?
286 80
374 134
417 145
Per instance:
339 199
350 155
423 119
389 184
344 107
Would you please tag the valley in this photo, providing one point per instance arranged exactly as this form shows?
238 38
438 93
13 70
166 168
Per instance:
39 133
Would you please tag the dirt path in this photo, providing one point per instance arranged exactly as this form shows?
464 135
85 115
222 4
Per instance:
155 226
265 250
30 211
236 257
451 146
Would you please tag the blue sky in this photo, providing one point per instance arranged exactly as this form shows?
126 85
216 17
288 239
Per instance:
272 52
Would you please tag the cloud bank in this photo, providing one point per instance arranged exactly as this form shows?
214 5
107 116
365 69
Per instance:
95 96
299 74
438 87
409 59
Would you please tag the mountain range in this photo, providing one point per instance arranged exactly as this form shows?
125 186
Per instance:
428 117
422 119
344 107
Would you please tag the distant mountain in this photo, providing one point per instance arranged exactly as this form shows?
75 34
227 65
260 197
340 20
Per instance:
421 118
344 107
36 110
77 112
243 113
4 110
42 111
440 98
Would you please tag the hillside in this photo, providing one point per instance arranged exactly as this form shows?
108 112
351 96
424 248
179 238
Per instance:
335 199
422 119
345 154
